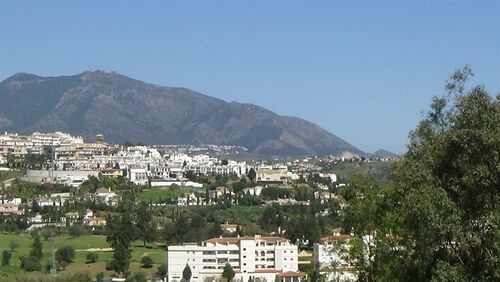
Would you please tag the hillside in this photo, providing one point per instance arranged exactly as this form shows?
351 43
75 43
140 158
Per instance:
125 109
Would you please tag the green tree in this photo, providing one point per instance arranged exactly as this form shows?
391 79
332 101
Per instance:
6 256
36 249
228 272
99 277
65 254
76 230
147 262
252 174
162 270
13 245
30 263
145 224
186 273
444 212
137 277
92 257
121 231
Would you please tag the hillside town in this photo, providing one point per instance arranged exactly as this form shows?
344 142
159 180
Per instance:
75 185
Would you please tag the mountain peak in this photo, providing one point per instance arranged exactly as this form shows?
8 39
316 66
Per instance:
382 153
125 109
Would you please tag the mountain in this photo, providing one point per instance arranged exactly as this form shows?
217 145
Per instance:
383 154
125 109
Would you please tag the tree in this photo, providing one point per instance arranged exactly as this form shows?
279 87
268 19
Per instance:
145 224
121 231
13 245
442 217
228 272
99 277
6 256
147 262
252 174
30 263
137 277
186 273
76 230
36 249
92 257
162 270
65 254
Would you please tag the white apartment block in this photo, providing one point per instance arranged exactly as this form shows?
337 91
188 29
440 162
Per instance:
266 258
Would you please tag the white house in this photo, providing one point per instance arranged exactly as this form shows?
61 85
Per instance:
138 175
266 258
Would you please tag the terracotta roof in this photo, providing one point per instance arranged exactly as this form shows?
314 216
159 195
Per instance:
290 274
238 239
266 270
336 238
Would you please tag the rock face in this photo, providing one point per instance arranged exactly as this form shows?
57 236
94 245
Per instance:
125 109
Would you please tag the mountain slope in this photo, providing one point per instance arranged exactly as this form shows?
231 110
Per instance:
381 153
124 109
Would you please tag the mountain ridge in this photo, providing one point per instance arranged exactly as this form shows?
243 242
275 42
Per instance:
129 110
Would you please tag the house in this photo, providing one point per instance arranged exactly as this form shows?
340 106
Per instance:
95 221
88 214
71 217
256 191
231 228
106 196
8 209
138 175
265 258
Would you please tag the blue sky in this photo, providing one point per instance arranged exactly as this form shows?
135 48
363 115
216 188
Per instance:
364 70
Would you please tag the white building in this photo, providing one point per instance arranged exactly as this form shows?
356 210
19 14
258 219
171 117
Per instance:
138 176
266 258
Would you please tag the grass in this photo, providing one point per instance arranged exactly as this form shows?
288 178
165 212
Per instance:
160 194
81 244
6 175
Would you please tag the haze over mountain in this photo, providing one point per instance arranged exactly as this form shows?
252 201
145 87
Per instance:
124 109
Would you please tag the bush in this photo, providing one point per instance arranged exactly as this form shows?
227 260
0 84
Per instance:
147 262
162 270
76 230
65 254
92 257
6 255
31 263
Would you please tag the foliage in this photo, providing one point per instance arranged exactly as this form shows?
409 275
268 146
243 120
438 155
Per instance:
36 249
121 231
228 272
76 230
6 256
92 257
65 254
145 224
186 273
162 270
137 277
30 263
448 187
147 262
13 245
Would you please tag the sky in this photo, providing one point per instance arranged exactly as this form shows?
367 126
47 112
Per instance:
363 70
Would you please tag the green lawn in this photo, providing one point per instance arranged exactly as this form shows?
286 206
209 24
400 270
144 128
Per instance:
5 175
81 245
156 195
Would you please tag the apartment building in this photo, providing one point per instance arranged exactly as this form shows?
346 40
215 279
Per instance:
266 258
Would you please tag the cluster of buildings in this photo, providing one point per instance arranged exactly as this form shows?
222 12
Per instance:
260 258
256 258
